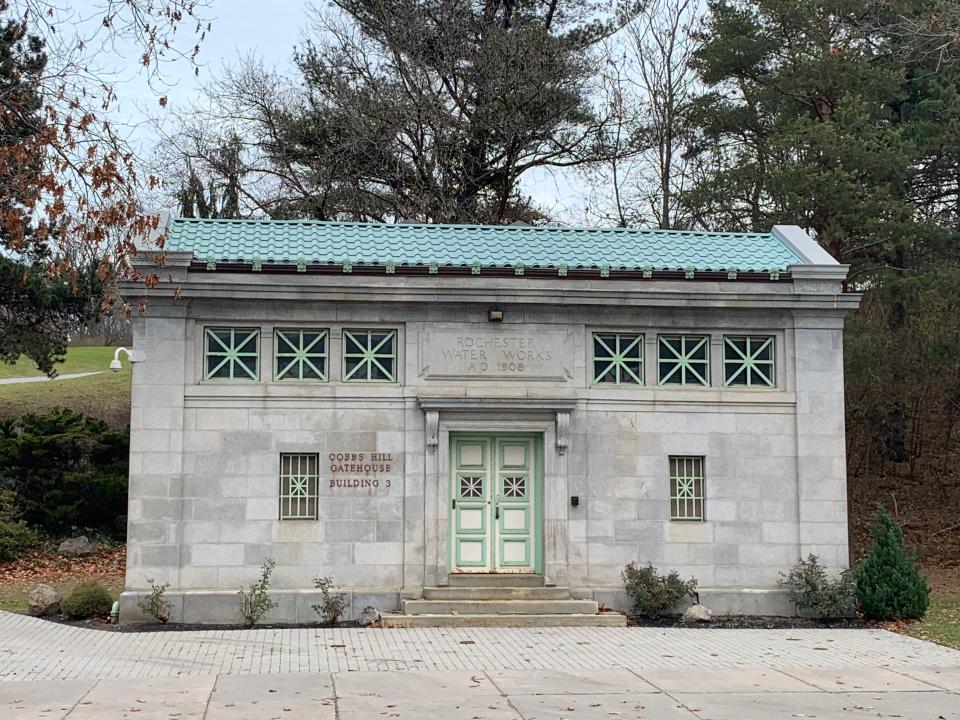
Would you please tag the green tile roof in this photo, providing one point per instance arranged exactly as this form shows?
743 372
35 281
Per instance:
315 242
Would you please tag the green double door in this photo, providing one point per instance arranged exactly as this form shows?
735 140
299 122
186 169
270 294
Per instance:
495 496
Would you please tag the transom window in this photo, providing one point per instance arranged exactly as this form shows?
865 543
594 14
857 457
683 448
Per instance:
370 355
748 360
300 354
618 358
231 354
686 488
683 359
299 483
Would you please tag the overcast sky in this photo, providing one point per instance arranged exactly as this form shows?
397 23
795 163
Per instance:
271 30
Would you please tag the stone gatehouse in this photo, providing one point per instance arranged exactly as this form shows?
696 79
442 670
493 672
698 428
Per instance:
399 406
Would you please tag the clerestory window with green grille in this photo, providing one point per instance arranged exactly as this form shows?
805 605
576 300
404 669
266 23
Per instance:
300 354
299 486
231 354
683 359
748 361
618 358
686 488
369 355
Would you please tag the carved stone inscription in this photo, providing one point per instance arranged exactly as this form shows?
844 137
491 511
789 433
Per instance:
361 470
526 353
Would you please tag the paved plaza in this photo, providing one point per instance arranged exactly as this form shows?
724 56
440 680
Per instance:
57 671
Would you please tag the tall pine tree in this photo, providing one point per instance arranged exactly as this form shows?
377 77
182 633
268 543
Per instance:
799 127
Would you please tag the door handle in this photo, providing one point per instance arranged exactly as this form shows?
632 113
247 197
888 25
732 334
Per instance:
497 513
454 504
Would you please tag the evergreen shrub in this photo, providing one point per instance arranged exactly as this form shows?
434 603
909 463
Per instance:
16 537
68 472
653 594
889 583
88 599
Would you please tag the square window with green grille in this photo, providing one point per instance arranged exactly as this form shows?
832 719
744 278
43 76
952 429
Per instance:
686 488
300 354
299 486
683 359
369 355
231 354
748 361
618 358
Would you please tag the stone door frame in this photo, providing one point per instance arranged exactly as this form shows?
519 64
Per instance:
550 418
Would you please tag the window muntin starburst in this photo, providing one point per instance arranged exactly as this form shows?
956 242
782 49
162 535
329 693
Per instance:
748 361
369 355
470 486
683 359
618 358
231 354
300 354
514 486
299 486
686 487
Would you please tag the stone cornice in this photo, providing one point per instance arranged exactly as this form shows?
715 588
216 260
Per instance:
816 293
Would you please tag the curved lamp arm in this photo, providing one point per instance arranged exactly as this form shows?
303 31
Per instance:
132 356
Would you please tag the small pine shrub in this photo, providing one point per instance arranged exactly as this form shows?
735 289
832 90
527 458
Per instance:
87 600
653 594
812 591
332 604
155 604
889 584
255 603
16 537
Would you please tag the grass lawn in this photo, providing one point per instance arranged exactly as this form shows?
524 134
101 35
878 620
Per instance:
106 396
78 360
942 623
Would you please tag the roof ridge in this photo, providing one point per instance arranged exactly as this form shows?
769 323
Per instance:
469 226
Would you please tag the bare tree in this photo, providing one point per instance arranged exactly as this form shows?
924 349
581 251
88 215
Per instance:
663 43
649 83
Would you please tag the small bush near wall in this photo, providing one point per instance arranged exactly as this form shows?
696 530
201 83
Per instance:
889 584
255 603
68 472
87 600
653 594
332 604
814 593
16 537
155 603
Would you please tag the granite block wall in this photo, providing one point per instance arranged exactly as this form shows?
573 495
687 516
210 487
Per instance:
204 503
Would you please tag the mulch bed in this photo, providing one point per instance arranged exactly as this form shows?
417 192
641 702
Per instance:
750 622
104 624
747 622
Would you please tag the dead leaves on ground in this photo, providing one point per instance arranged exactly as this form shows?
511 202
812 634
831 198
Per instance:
46 566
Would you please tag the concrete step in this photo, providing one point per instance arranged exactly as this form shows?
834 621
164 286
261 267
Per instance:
608 619
500 607
495 580
496 593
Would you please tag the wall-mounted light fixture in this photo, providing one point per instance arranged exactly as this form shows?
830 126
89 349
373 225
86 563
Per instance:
495 314
132 355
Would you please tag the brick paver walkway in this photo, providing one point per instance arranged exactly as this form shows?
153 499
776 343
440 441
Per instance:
33 649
